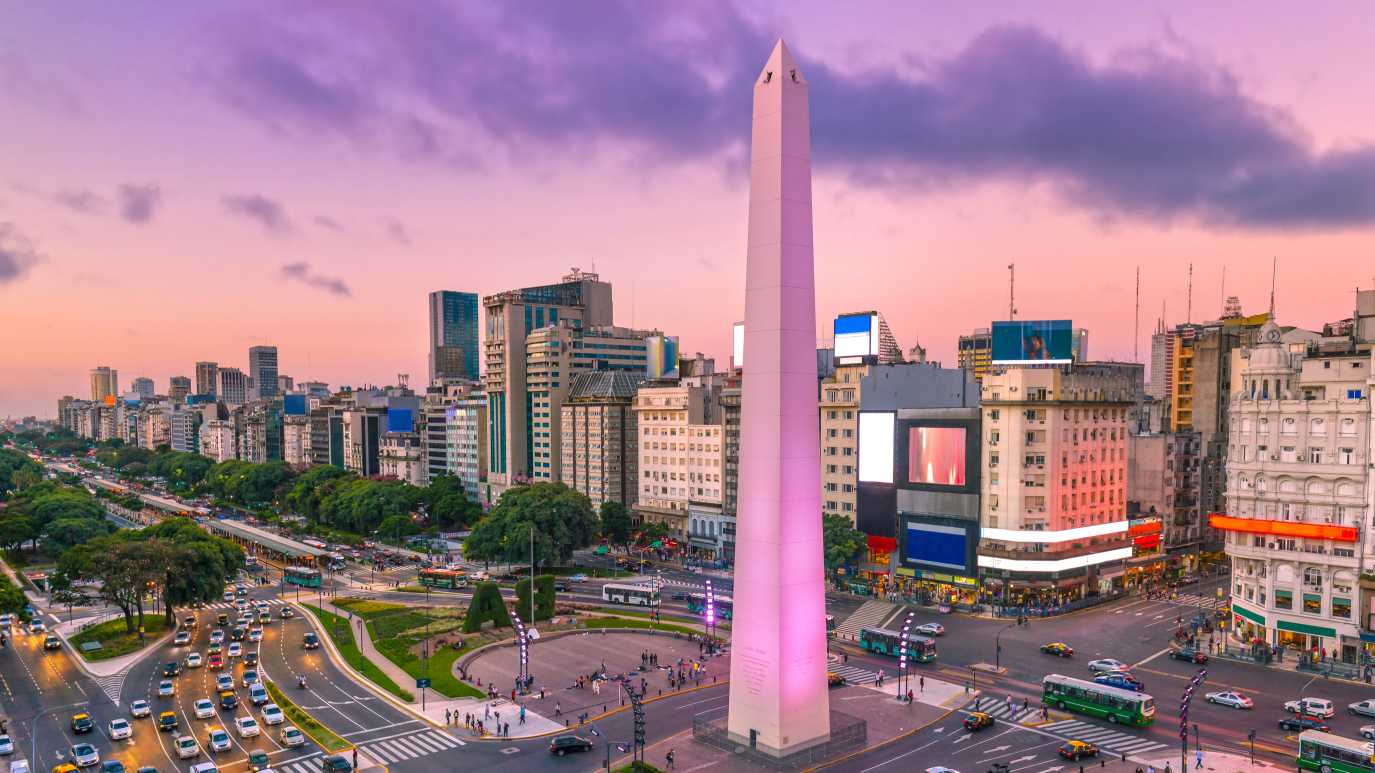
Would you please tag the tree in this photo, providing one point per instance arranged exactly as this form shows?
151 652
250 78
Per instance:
312 486
63 503
615 522
397 527
199 563
17 471
561 521
841 539
486 605
66 533
650 531
448 505
15 530
126 569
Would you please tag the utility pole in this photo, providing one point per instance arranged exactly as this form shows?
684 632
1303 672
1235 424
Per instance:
1136 324
1189 306
1012 290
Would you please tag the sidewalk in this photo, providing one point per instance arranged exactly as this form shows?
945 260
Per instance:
1237 652
1217 762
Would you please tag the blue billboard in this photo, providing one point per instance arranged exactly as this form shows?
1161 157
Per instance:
940 543
294 405
1032 342
400 420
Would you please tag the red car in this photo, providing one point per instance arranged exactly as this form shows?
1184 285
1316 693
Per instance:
216 661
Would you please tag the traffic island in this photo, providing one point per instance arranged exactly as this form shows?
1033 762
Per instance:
113 639
326 739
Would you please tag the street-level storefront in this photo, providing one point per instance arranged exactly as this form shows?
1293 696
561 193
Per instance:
1318 638
945 591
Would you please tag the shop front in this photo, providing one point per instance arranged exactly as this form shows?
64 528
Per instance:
1248 625
947 592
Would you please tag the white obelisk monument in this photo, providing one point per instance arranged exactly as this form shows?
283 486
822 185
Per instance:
778 697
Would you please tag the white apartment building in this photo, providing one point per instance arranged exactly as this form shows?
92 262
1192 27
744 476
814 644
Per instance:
154 426
681 454
465 449
217 440
840 396
1299 496
401 455
296 439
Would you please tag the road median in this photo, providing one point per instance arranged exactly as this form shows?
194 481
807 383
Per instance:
326 739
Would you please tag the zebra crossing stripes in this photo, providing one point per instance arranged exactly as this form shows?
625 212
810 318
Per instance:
1001 710
306 765
232 605
1114 741
1196 599
112 685
409 747
871 613
853 674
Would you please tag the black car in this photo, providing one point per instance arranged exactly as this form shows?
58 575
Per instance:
560 587
310 641
229 700
1189 655
250 658
679 595
335 764
171 669
1303 723
563 744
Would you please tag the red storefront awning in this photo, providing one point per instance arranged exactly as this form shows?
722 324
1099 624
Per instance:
1283 528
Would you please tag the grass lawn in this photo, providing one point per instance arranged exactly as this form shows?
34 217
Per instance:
114 640
326 738
342 635
396 630
625 622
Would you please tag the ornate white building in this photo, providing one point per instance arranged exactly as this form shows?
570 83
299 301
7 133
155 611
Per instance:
1298 496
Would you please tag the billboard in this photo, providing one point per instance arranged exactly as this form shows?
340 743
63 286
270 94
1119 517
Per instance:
294 404
661 357
856 335
876 447
400 420
737 340
939 543
935 455
1032 342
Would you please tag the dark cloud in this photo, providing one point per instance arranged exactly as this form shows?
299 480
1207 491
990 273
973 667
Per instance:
327 223
268 213
17 254
81 201
397 232
1158 133
138 203
300 272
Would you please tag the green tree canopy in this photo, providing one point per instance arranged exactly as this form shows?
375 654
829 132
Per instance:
17 468
62 503
448 505
615 523
15 530
66 533
561 519
841 539
125 568
199 564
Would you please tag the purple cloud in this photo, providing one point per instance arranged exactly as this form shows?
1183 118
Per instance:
81 201
1153 134
138 203
327 223
397 232
268 213
300 272
17 254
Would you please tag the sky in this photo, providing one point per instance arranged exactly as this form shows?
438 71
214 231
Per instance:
181 182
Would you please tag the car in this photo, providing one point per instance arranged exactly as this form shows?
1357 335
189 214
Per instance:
257 760
579 577
189 621
930 629
224 682
219 740
1189 655
187 747
310 641
111 766
679 595
1230 698
257 695
182 638
221 619
120 729
229 700
238 633
834 680
204 708
37 626
172 669
1313 707
250 677
217 636
6 620
563 744
167 688
291 737
1058 648
1121 680
977 720
1304 723
272 715
51 642
255 634
1077 750
264 618
246 726
19 765
7 744
193 660
84 755
228 595
82 723
204 767
250 658
216 661
146 769
1368 732
1365 708
215 648
167 720
64 767
235 650
286 613
141 708
1107 664
335 763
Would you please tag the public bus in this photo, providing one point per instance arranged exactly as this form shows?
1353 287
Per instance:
1334 754
634 595
1098 700
697 604
448 579
315 543
250 561
885 642
335 562
303 576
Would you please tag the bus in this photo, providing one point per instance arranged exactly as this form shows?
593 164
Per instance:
304 576
1334 754
448 579
830 625
315 543
1098 700
250 561
885 642
634 595
335 562
697 604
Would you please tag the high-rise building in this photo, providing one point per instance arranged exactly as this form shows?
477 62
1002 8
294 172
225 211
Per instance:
401 449
104 383
154 426
285 384
296 439
453 335
207 378
839 407
184 429
599 453
262 368
217 439
144 388
178 388
233 386
465 430
975 352
680 454
730 464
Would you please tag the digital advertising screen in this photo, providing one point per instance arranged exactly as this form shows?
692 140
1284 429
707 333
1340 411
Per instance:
939 543
876 447
294 405
1032 342
856 335
935 456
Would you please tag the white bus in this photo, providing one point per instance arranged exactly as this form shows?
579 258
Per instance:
315 543
634 595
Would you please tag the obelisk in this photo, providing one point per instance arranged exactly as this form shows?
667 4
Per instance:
778 697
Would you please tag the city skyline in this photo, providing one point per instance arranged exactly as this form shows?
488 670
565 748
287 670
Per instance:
270 144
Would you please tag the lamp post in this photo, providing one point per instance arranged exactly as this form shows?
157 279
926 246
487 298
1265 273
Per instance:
523 665
709 619
998 644
902 652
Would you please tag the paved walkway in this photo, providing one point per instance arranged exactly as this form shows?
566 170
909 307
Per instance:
1217 762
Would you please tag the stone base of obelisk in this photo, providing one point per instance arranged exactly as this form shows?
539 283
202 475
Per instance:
848 734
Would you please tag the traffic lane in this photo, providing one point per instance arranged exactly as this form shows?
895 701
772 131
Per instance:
43 701
948 743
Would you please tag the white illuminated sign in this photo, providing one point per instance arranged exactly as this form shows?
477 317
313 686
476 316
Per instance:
876 447
1063 564
738 345
1065 535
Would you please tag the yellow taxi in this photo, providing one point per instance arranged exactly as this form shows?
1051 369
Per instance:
1077 750
65 767
1058 648
834 680
82 722
977 720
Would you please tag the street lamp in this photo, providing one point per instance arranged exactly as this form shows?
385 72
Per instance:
902 652
998 644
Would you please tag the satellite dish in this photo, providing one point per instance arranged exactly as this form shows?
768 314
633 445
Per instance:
533 634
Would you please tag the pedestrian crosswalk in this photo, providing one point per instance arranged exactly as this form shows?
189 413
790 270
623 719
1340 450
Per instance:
232 605
112 685
853 674
1007 712
1108 740
871 613
410 746
1196 600
307 764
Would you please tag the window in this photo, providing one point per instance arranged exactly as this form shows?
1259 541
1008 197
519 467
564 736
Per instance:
1312 576
1348 427
1317 427
1284 599
1314 455
1288 454
1351 394
1346 455
1289 427
1312 604
992 460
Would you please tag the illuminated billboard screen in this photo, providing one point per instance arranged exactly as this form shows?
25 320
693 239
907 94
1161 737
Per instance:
737 338
935 456
876 447
1032 342
939 543
856 335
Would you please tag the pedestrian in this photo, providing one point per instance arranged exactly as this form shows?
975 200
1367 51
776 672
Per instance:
448 718
558 710
909 697
487 711
1198 759
669 759
921 683
845 657
506 730
1025 704
522 715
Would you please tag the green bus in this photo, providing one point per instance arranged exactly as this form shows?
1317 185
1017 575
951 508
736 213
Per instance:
885 642
724 605
303 576
446 579
1333 754
1098 700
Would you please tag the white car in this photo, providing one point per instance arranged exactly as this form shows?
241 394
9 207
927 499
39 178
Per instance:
258 695
235 650
219 740
141 708
1313 707
1365 708
193 660
217 636
247 727
931 629
167 688
1368 732
186 747
7 745
1229 698
291 737
182 637
224 682
204 708
255 634
941 769
1107 664
37 626
120 729
228 595
84 755
272 715
19 765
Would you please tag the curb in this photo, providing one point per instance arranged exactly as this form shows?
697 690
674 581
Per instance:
875 747
148 649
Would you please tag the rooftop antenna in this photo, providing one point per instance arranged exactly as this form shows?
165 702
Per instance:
1274 268
1189 308
1012 290
1223 296
1136 325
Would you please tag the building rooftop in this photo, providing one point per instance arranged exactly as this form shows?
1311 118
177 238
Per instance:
596 386
266 539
